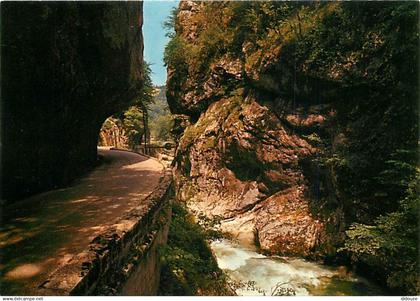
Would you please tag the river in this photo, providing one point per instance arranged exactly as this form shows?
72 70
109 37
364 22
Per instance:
256 274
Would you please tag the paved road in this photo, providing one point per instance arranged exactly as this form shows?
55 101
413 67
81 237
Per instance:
43 232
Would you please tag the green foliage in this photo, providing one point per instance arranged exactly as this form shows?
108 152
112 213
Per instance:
364 47
146 97
189 267
170 23
133 121
399 170
174 53
133 126
314 138
161 127
391 243
159 106
161 121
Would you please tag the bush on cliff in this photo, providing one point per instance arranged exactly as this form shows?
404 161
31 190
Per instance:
390 246
189 268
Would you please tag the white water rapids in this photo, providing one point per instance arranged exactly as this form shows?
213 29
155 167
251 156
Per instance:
263 275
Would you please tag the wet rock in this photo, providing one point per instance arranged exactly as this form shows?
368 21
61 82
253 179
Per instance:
285 224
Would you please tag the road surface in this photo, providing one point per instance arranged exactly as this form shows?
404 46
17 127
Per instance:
43 232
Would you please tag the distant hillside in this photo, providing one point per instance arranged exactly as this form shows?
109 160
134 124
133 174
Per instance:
160 106
160 121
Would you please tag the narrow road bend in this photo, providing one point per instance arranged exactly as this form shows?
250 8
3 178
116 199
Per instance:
43 232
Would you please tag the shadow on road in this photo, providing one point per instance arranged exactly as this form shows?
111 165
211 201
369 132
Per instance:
43 232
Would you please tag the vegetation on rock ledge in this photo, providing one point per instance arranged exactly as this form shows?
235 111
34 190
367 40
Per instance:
189 268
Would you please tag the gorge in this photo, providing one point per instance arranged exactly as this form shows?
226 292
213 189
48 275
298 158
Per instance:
295 169
292 120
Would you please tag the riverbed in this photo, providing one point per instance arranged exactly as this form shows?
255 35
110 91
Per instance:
253 274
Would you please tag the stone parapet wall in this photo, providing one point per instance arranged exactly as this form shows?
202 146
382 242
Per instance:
122 260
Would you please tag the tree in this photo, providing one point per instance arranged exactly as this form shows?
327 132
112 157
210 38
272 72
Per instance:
391 243
133 122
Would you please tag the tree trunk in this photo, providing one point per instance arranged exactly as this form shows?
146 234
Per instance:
145 126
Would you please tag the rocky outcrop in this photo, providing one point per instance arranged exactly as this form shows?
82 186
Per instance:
239 163
66 67
113 134
274 137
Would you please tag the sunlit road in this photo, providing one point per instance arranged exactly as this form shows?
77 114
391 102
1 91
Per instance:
45 231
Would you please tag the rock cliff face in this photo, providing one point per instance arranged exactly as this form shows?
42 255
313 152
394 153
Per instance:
240 162
66 67
261 119
112 134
